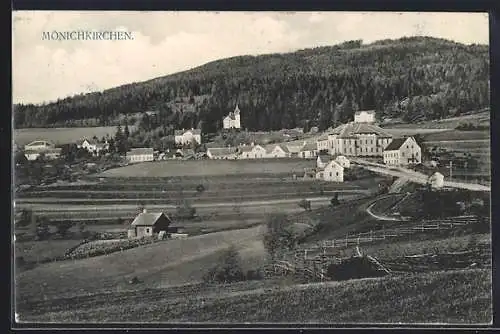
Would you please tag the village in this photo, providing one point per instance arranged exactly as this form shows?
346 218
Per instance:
361 138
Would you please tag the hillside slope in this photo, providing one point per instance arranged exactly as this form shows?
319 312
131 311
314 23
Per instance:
455 297
415 78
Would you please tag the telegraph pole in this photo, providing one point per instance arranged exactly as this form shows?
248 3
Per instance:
451 169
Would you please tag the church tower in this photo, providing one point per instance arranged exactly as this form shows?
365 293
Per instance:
237 122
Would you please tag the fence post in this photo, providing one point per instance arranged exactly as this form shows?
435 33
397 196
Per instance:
371 235
346 236
438 225
422 227
358 240
333 243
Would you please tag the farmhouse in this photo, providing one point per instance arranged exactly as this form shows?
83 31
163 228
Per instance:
331 172
252 152
436 180
402 151
140 154
146 224
185 137
364 116
39 145
222 153
308 150
92 145
232 121
343 161
277 151
358 139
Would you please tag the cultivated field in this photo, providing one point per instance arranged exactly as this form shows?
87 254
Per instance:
176 168
62 135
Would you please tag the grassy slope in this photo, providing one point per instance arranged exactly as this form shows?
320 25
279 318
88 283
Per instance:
157 264
461 297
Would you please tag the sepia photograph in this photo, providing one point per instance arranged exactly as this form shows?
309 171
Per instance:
184 167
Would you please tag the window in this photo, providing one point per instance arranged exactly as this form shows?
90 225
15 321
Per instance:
337 173
330 174
147 230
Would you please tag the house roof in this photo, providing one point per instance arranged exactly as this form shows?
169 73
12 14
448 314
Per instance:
396 144
323 158
91 141
148 218
309 147
353 129
140 151
270 148
222 151
334 163
294 148
323 137
40 142
181 132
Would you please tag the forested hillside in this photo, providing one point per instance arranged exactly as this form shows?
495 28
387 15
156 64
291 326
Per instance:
417 78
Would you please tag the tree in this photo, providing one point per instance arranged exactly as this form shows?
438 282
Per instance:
335 199
305 204
227 270
278 236
200 188
42 229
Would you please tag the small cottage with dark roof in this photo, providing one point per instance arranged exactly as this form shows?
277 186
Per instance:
147 224
402 152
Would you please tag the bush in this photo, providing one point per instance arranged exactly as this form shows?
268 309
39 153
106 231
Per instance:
228 270
305 204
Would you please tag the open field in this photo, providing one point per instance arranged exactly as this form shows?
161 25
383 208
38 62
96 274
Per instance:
61 136
457 135
176 168
34 251
480 118
457 297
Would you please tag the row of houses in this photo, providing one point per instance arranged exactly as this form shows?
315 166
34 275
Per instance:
255 151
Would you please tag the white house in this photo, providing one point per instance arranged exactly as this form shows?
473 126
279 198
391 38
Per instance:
184 137
232 120
92 145
436 180
343 161
331 172
402 152
252 152
322 143
222 153
277 151
308 150
364 116
140 154
39 145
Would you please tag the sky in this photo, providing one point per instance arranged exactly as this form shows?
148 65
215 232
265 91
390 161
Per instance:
169 42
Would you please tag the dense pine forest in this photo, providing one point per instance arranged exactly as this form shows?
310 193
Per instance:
411 79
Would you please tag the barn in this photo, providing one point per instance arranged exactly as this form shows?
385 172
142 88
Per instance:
147 224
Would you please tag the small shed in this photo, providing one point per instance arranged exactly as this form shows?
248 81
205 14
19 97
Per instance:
146 224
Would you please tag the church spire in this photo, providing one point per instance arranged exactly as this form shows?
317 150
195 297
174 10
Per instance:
236 110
